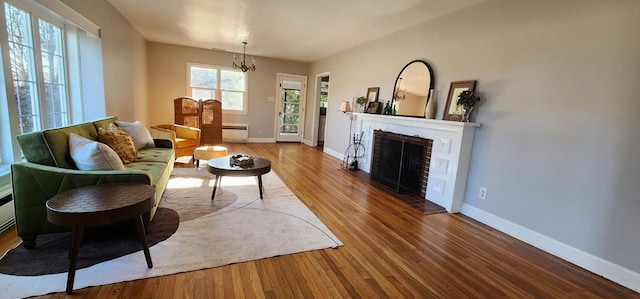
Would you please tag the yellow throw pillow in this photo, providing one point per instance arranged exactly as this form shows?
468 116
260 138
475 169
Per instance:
120 142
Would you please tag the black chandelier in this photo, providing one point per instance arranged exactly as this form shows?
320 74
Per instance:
243 65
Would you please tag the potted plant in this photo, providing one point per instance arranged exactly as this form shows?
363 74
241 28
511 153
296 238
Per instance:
467 99
361 101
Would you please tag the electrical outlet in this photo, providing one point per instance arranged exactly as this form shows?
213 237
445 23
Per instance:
260 132
483 193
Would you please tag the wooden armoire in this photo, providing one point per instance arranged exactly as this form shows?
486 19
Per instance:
205 115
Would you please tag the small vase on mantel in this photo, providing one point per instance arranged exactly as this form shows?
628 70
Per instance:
430 111
467 113
467 99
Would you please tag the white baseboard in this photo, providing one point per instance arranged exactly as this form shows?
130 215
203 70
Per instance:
262 140
307 142
333 153
609 270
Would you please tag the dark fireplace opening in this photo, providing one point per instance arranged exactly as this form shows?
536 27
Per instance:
401 162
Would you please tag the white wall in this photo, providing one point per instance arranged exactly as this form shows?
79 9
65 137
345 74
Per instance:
558 147
167 68
123 58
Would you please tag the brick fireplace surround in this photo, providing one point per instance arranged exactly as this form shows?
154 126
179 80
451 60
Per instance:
402 168
450 155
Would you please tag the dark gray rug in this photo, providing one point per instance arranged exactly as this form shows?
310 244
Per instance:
98 245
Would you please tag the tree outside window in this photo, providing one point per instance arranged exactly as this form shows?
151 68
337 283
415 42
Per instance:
27 87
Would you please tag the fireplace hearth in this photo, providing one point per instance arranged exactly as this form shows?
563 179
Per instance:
401 162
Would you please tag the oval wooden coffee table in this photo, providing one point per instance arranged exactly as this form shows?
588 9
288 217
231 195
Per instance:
99 205
221 167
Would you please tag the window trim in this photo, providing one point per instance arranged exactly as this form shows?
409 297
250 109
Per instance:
218 90
70 16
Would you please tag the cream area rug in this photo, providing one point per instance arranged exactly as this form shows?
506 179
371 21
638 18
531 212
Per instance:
237 227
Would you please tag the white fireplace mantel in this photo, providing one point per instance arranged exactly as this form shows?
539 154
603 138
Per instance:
451 152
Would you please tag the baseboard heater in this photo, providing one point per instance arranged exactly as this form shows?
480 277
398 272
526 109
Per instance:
7 219
238 133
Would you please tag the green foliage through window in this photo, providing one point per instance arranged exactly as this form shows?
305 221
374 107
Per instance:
290 110
324 98
212 82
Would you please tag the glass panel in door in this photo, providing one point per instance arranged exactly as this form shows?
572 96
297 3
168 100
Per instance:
290 108
290 111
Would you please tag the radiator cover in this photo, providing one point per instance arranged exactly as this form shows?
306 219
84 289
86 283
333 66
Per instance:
7 218
235 133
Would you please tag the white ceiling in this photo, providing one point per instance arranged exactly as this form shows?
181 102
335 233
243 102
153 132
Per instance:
299 30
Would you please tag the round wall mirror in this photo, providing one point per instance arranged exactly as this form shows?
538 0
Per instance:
413 88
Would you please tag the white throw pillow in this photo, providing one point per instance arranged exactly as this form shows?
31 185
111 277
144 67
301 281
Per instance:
113 128
141 136
92 155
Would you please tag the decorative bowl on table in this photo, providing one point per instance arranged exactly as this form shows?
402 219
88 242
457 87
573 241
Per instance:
241 160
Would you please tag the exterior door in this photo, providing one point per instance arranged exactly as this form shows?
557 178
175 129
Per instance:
291 99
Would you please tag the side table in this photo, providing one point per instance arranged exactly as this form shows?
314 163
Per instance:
221 167
99 205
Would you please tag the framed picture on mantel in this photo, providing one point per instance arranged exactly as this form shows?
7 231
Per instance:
372 94
373 107
452 111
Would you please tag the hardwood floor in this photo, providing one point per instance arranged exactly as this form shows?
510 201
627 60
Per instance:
391 251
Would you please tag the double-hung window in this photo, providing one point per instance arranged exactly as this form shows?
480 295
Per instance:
37 69
216 82
51 65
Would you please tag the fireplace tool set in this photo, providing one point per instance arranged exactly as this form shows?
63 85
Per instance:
354 151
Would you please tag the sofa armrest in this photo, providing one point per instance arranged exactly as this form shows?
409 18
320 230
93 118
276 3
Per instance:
34 184
163 143
163 137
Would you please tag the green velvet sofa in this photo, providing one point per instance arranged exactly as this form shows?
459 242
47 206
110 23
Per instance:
50 170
